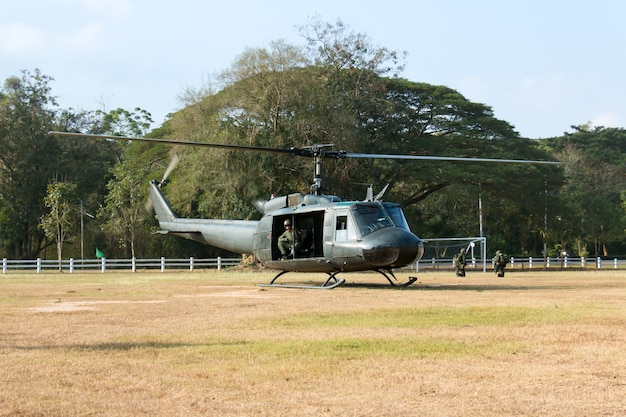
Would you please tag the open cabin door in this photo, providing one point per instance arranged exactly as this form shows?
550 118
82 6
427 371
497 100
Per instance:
309 230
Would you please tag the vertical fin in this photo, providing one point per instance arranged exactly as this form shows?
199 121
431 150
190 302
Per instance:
162 208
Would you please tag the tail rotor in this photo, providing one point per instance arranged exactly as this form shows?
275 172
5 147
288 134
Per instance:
170 167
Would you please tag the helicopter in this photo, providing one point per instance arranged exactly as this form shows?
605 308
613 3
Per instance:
333 236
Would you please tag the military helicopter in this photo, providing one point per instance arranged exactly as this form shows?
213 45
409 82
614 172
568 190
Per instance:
333 236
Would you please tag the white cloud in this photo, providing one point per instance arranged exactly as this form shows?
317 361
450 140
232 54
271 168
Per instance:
20 38
608 119
115 8
544 92
85 36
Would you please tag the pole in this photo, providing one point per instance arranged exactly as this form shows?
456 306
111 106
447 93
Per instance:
82 231
82 234
545 225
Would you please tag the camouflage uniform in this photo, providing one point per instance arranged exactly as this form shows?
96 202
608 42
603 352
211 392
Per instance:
459 263
499 263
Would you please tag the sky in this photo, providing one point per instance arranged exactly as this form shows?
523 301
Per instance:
542 66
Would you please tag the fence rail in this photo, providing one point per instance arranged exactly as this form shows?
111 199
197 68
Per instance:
518 263
166 264
103 265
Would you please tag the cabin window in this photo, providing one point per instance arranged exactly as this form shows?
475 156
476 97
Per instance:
344 227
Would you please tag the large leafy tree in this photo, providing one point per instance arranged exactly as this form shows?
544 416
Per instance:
27 161
123 211
441 198
31 159
594 161
337 93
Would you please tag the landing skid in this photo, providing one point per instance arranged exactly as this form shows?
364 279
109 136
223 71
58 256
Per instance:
333 282
329 284
395 282
388 275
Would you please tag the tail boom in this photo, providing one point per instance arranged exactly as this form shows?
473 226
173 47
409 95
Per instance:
232 235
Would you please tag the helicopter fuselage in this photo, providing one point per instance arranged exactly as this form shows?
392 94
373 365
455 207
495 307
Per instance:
346 236
333 235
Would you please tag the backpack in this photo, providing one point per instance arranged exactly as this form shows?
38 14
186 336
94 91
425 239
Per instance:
501 259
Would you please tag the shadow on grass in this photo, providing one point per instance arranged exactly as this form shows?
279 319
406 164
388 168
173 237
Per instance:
125 346
458 287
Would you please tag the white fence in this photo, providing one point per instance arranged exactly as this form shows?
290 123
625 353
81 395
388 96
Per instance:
530 263
103 265
165 264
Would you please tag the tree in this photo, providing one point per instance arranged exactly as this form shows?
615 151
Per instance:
56 222
594 162
122 122
123 209
27 161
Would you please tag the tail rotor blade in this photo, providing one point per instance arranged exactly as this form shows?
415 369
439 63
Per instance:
173 163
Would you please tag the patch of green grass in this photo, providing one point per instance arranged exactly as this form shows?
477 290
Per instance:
355 348
430 317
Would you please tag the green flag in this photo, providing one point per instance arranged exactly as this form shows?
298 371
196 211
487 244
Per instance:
99 254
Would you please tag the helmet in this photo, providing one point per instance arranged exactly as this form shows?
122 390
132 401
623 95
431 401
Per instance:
498 252
287 222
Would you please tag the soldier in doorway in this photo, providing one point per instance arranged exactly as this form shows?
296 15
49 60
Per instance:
289 242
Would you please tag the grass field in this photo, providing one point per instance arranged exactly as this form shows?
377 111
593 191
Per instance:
216 344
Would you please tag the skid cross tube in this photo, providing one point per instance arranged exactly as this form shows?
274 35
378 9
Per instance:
324 286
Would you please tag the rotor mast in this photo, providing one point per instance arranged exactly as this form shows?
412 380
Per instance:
316 187
318 153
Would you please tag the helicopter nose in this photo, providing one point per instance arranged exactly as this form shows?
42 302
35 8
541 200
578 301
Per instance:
391 247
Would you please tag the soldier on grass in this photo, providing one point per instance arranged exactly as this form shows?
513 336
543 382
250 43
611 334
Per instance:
459 263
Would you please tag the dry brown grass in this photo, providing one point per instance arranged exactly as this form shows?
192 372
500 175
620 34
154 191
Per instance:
208 343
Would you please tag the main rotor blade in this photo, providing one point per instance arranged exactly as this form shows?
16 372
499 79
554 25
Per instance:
443 158
179 142
313 151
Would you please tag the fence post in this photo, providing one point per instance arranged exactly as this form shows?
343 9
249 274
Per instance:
191 263
614 263
162 263
4 265
133 263
103 265
565 262
512 262
219 263
548 262
71 265
38 265
530 262
582 262
599 262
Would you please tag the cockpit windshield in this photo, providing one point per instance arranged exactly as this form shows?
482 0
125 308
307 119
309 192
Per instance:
370 217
